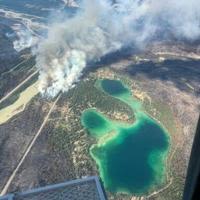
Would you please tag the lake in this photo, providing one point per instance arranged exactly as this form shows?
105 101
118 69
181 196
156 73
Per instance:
131 159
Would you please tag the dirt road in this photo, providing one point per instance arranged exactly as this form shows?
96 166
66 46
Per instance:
7 185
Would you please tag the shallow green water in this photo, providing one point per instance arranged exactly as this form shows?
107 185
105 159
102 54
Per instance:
130 159
96 124
113 87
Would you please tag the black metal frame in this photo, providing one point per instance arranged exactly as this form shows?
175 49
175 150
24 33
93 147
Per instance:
58 186
192 183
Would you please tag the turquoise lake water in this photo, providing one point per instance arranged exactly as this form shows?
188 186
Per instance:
131 158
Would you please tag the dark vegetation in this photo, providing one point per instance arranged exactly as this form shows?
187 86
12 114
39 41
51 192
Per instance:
87 95
11 99
16 134
8 55
177 71
9 80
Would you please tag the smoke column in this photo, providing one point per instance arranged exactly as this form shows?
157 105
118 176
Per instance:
101 27
25 40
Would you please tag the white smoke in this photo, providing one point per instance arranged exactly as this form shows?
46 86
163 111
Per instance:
24 40
70 3
101 27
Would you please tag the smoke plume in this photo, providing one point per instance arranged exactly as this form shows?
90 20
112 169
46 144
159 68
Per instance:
24 40
101 27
